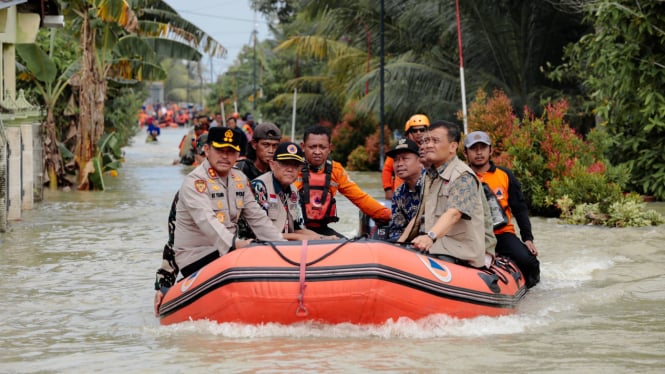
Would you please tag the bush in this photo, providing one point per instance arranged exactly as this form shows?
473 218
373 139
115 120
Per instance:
628 211
358 159
561 173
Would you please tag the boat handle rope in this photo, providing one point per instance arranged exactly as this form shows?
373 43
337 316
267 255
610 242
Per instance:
499 263
313 262
301 311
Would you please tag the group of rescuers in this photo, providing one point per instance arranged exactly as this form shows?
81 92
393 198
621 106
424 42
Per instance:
440 205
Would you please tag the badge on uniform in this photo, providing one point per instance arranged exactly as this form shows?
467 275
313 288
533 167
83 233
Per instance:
200 185
220 217
215 187
260 192
212 173
240 186
273 200
219 205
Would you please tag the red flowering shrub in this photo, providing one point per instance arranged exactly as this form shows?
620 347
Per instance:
548 157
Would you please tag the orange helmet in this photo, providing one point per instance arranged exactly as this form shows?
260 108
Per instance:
416 120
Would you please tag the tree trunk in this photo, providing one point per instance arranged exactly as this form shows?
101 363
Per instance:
53 165
92 92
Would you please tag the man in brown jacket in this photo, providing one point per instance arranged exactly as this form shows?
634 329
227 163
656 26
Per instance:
451 218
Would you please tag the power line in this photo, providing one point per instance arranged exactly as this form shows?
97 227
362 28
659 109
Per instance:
219 17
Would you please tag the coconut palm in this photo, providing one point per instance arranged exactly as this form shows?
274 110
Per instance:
506 44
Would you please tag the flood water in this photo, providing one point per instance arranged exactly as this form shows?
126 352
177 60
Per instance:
77 290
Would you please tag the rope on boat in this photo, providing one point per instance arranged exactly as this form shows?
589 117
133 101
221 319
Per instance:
326 255
301 311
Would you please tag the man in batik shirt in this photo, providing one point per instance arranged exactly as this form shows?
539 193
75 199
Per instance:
406 198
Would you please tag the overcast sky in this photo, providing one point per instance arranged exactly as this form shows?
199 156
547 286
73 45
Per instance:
230 22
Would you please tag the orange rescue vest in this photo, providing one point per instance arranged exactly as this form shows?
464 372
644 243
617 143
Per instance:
318 204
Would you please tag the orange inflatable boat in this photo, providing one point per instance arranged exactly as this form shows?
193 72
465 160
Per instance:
358 281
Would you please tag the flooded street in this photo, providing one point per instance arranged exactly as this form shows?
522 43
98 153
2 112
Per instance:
77 290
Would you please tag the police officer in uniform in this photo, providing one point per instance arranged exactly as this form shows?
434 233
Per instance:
212 198
278 196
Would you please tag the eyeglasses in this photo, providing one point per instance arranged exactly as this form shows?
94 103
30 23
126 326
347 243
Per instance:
419 129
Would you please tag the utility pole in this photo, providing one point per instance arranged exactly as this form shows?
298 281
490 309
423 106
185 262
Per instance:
188 101
381 115
255 68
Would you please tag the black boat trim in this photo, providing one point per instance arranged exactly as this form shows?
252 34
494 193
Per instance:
337 273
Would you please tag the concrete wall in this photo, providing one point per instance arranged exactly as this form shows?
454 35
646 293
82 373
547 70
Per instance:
20 148
3 179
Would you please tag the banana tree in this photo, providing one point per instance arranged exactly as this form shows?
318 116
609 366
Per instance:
41 70
122 40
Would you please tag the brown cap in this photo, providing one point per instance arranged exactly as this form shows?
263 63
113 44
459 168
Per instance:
267 130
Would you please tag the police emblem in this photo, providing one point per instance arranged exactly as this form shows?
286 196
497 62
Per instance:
200 185
212 173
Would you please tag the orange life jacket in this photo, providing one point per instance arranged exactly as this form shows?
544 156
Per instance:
318 204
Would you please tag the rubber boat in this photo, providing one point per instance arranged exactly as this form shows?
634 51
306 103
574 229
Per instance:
361 281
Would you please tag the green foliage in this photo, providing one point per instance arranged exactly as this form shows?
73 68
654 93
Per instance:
560 171
38 62
358 159
350 134
123 103
620 66
627 211
109 158
583 186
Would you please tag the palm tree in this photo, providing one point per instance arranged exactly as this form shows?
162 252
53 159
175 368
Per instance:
121 40
506 44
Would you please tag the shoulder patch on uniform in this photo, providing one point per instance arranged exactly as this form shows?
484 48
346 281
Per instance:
200 185
260 192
